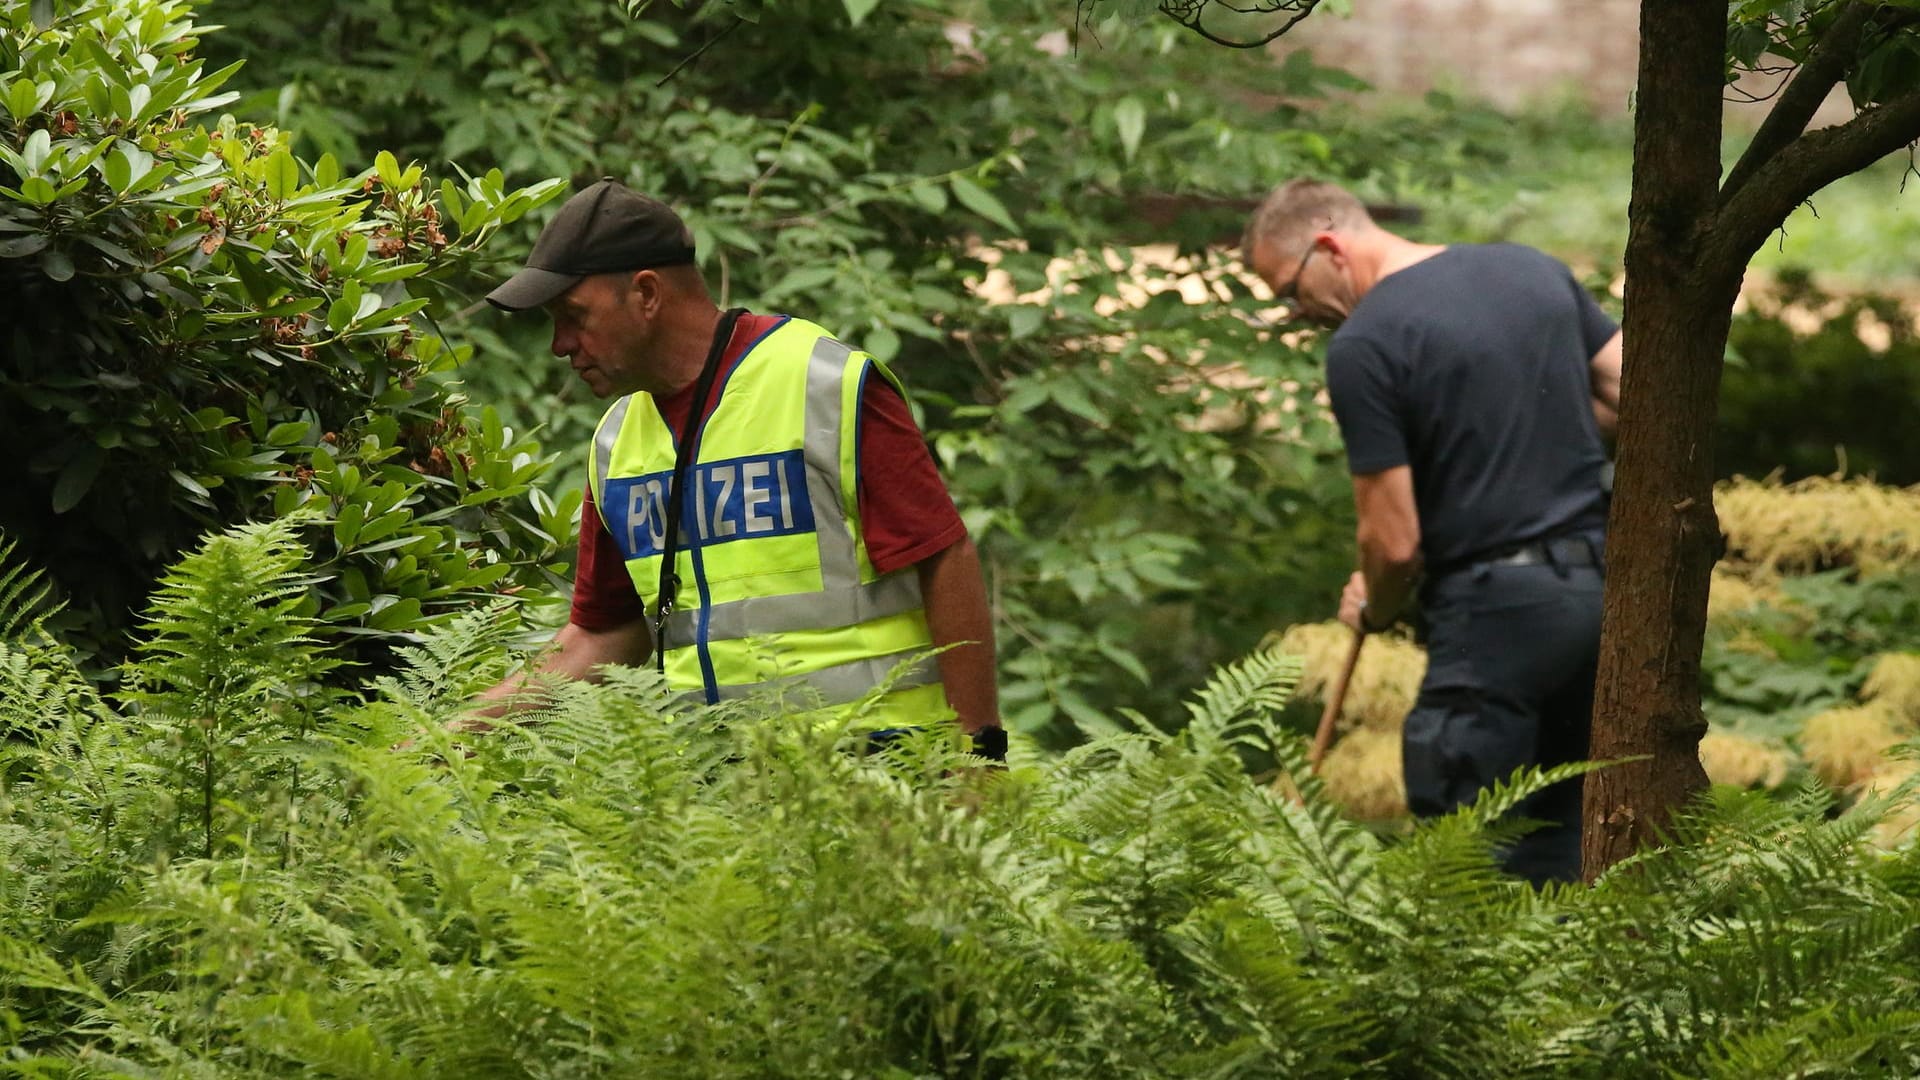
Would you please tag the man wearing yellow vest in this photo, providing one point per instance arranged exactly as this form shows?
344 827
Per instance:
790 534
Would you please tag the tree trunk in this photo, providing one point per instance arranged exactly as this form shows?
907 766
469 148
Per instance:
1663 536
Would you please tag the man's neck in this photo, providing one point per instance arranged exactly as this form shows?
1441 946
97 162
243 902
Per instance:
689 338
1390 254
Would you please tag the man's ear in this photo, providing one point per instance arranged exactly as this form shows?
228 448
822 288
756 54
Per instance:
1253 259
644 288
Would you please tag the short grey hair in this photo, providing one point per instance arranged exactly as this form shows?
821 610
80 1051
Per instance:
1290 215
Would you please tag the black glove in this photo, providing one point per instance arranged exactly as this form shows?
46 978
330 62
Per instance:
991 743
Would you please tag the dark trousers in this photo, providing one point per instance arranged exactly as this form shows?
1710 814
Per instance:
1511 652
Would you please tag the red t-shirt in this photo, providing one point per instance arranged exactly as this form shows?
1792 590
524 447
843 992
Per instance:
905 510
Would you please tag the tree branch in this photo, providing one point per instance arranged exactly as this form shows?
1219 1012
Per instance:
1826 64
1231 43
1188 13
701 51
1796 173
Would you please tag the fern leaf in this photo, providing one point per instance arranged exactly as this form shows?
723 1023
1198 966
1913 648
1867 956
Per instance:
1257 685
26 600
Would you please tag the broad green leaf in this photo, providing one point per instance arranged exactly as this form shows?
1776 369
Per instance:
405 308
33 153
1072 396
76 478
347 526
858 10
340 313
206 84
22 246
57 264
76 165
21 100
326 171
883 343
126 167
1125 660
980 201
477 214
450 202
1022 321
1023 397
387 168
404 613
1130 119
1083 580
282 175
382 526
803 280
930 195
188 482
288 434
1746 42
111 250
474 43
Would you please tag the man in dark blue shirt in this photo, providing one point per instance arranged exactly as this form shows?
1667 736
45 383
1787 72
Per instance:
1472 385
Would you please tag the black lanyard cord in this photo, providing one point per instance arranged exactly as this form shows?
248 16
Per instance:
682 459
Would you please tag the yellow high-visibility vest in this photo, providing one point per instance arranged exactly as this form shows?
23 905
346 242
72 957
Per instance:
777 594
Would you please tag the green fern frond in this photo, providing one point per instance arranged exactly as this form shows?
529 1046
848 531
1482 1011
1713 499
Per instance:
32 697
26 599
1831 1039
1505 796
1257 685
1732 838
451 661
225 623
1328 855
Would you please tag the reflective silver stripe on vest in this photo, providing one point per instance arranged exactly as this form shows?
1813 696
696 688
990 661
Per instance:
839 563
603 441
894 594
843 682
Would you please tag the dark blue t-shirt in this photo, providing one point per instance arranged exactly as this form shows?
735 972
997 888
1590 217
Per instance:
1473 367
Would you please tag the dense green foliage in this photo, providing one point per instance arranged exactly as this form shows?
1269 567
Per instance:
202 329
231 872
256 850
1811 398
1144 507
1809 650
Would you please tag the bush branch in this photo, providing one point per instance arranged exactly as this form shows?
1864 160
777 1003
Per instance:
1802 168
1826 64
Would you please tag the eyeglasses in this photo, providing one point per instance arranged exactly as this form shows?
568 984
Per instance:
1289 294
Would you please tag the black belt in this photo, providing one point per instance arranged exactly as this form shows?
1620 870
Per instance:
1565 551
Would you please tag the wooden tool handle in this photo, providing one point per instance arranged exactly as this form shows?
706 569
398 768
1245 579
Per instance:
1336 695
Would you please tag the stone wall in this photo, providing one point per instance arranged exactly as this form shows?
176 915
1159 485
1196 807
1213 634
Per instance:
1511 53
1507 52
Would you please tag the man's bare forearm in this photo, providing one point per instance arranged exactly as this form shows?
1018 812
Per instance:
576 653
1389 585
956 602
1604 375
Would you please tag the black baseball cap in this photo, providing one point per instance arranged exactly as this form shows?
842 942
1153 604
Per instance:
607 228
